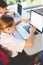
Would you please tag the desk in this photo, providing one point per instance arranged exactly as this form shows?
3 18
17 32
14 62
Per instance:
37 44
38 41
24 15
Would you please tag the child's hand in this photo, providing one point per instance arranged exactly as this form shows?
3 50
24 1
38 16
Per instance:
32 30
12 13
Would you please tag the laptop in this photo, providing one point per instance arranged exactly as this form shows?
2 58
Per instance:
19 11
36 21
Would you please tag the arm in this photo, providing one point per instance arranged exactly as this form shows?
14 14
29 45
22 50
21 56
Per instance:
23 20
26 20
17 23
30 40
10 13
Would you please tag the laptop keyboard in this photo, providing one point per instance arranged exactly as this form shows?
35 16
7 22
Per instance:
27 29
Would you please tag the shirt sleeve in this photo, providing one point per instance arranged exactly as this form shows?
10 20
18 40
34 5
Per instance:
12 43
19 45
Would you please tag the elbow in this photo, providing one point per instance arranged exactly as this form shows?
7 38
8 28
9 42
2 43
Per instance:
28 45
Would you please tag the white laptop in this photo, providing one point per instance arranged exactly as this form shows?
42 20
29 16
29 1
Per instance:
19 11
36 21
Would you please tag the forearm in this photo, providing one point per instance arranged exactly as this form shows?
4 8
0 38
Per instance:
29 41
17 23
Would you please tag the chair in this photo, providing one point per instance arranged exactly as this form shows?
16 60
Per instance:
1 61
4 60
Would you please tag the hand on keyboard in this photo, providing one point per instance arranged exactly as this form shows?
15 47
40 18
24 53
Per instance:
32 30
27 29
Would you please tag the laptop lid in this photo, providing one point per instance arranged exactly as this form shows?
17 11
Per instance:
19 8
36 20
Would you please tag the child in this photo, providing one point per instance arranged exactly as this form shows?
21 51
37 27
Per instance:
3 8
8 41
39 58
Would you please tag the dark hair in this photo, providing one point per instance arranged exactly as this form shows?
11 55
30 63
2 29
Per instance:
6 21
3 4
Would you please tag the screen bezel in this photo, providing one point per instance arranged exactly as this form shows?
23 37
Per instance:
19 8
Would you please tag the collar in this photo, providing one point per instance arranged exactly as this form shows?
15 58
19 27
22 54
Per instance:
2 33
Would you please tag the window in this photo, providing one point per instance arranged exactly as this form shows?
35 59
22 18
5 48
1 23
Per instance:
34 2
25 2
9 2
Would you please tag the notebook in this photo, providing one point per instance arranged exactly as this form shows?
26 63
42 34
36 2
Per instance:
36 21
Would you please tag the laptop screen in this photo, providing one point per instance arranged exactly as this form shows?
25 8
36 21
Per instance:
36 20
19 8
